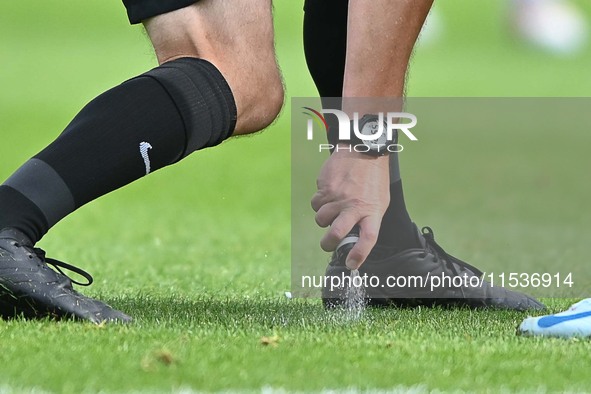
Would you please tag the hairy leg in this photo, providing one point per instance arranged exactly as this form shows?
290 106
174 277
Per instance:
237 37
384 31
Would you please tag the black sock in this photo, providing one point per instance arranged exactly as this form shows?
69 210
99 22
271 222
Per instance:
325 43
136 128
397 229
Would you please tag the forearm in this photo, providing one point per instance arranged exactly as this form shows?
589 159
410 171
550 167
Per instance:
380 40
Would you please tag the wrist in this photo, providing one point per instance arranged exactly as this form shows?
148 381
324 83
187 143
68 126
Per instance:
370 136
347 150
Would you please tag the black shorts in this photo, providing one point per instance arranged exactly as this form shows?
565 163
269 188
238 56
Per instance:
138 10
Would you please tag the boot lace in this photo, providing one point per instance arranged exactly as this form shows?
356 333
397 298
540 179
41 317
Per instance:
58 265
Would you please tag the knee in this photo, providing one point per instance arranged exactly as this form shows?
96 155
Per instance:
266 105
259 95
257 90
245 57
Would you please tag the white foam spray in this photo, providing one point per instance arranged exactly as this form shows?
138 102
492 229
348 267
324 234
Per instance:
354 297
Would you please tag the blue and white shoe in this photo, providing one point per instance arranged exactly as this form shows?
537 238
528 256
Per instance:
575 322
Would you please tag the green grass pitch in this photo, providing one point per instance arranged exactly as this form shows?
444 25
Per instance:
199 253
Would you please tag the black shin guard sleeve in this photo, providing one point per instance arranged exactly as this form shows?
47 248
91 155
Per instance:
204 100
138 127
142 125
120 136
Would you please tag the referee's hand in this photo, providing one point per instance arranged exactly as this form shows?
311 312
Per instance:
353 189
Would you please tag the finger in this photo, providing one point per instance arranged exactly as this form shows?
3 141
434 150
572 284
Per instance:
318 200
328 213
369 227
339 229
315 202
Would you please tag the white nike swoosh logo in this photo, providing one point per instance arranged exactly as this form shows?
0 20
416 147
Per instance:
144 148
